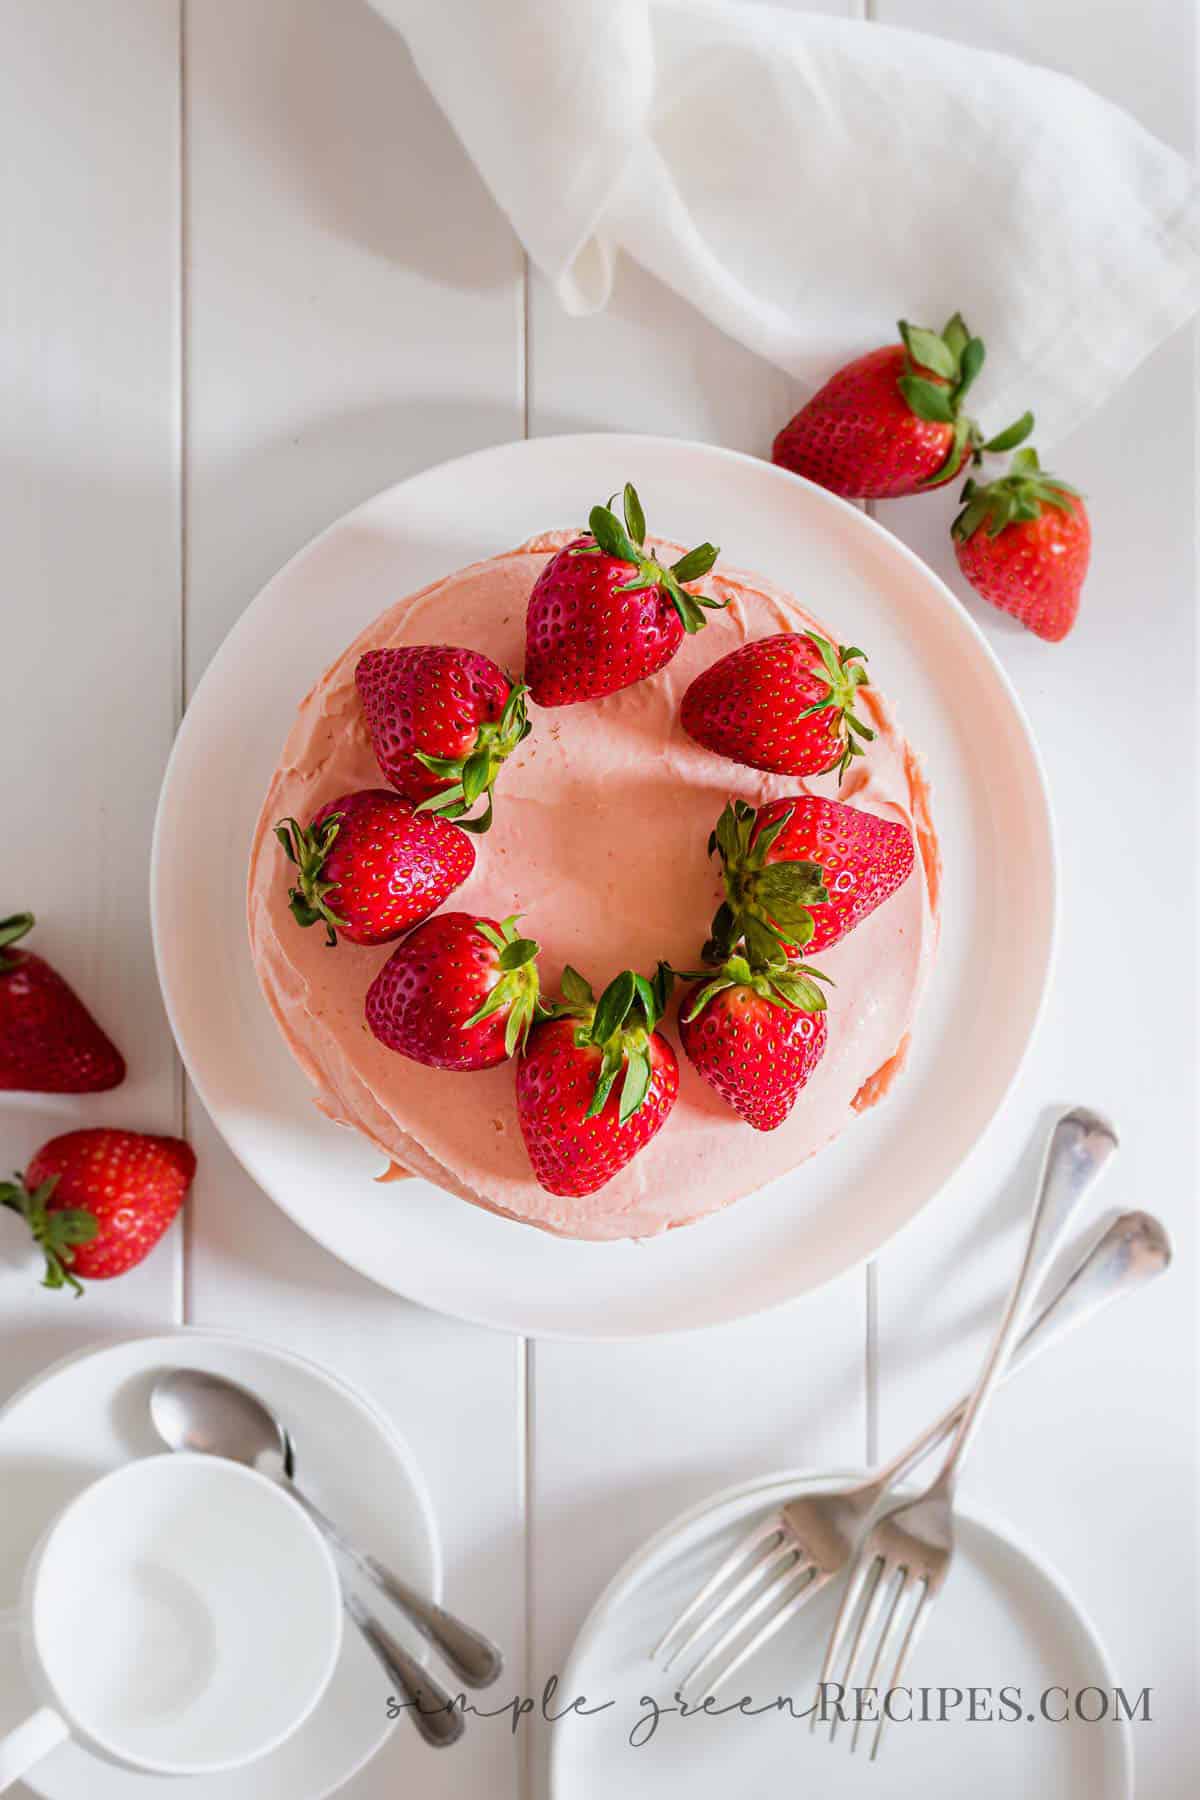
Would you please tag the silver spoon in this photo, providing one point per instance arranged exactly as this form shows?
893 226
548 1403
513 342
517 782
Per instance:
195 1410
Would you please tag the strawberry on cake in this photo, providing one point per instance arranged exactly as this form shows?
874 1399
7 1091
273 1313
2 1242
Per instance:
623 878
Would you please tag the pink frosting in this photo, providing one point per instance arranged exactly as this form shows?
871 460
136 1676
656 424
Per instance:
602 821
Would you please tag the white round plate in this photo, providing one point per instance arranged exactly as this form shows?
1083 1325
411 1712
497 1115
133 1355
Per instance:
990 807
89 1413
1003 1620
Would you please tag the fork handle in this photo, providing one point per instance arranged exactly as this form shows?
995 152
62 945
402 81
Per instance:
1134 1250
1080 1147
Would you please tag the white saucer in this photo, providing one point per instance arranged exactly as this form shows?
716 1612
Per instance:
1004 1619
976 1021
88 1414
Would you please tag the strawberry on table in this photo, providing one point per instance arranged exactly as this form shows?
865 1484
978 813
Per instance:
1024 543
755 1033
98 1201
49 1041
784 704
604 612
370 866
458 993
891 422
595 1083
801 872
442 721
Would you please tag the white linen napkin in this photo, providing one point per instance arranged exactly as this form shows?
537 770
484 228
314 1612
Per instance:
804 181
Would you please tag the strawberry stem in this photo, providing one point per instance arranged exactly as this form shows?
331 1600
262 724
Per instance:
956 358
620 1025
766 905
12 930
517 988
56 1233
1012 499
626 542
470 776
308 850
792 986
845 674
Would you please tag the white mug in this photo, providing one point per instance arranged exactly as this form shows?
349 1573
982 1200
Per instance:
181 1616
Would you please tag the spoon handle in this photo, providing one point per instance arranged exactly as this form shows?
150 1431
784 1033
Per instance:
430 1707
473 1657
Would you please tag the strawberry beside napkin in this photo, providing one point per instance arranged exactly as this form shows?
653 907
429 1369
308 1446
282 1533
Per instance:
802 180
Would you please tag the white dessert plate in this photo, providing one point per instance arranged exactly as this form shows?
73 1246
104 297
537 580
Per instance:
1004 1620
89 1413
990 808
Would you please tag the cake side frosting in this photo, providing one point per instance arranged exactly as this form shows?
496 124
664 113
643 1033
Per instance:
600 842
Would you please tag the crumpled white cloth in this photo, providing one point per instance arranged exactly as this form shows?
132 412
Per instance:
805 181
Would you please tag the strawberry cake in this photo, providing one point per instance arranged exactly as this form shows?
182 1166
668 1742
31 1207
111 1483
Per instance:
596 884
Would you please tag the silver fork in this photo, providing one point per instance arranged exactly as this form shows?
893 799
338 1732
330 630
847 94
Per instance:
784 1562
904 1559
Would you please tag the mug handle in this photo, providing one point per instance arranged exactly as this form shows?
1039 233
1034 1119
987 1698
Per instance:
40 1733
35 1737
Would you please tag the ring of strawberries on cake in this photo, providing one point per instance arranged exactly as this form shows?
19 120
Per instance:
489 910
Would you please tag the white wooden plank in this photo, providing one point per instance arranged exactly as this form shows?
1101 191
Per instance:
354 312
1094 1459
89 131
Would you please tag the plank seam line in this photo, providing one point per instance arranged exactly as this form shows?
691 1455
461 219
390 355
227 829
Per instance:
526 1376
184 1300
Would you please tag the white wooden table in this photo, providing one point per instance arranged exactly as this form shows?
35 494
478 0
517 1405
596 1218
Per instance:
250 278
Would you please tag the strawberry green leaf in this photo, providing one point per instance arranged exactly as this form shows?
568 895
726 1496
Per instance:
1012 500
928 401
612 1008
610 1067
635 518
695 563
929 351
636 1084
970 363
56 1233
1013 435
518 953
662 983
14 928
575 990
647 999
611 535
956 336
791 883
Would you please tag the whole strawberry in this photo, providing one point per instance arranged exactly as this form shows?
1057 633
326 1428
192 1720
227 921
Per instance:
49 1041
1024 543
756 1035
801 872
605 613
785 704
98 1201
579 1127
370 866
458 993
891 422
442 722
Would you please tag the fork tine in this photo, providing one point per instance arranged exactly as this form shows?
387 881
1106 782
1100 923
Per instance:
872 1602
899 1589
851 1595
745 1548
779 1600
916 1625
775 1564
774 1599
